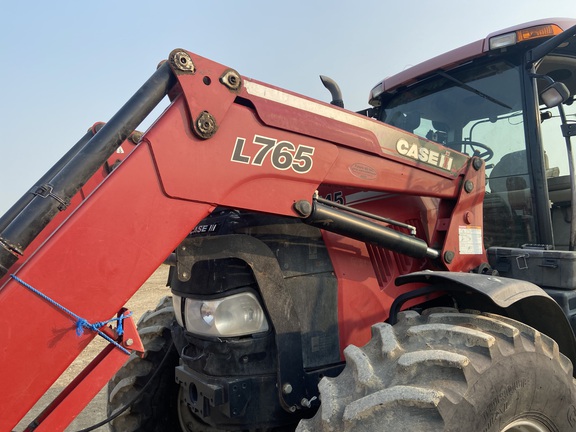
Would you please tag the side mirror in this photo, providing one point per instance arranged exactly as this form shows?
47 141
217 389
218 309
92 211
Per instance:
555 94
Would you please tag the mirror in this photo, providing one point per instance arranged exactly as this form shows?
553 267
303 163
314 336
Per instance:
555 94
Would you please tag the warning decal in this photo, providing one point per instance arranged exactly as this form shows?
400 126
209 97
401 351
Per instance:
470 240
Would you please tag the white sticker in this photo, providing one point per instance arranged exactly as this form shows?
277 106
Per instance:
470 240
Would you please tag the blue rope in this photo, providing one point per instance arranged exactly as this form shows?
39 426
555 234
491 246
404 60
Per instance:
81 323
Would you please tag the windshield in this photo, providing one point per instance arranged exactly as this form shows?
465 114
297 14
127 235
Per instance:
480 104
477 109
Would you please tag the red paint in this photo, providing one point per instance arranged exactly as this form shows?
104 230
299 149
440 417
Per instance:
114 240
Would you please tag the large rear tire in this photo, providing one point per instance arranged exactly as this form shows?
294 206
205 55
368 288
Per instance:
161 407
449 371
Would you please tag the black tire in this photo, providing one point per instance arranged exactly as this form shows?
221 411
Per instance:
450 371
161 407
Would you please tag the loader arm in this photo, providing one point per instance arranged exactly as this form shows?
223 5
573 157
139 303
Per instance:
225 140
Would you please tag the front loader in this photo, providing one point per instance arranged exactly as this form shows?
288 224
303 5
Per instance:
297 232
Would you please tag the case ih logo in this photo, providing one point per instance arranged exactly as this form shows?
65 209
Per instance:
424 154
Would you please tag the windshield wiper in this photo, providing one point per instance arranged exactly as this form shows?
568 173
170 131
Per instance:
472 89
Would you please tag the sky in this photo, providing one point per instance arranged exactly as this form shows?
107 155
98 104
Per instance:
69 64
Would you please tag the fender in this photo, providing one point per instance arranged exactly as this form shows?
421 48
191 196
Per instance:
516 299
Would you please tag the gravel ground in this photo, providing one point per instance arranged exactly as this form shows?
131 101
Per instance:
145 298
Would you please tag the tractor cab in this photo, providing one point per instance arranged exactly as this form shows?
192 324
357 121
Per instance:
508 99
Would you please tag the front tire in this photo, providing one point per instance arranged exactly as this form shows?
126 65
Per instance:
161 407
449 371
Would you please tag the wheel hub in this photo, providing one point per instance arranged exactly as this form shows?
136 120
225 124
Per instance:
526 425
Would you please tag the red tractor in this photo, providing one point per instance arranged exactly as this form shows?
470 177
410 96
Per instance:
435 230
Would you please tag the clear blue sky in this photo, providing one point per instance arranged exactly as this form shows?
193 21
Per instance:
68 64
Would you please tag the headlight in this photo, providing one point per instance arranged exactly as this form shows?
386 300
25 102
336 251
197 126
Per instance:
235 315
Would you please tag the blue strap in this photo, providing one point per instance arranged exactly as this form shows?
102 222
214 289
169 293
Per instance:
81 323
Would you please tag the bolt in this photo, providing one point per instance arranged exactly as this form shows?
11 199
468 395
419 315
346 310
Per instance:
468 186
287 388
135 137
303 208
129 342
205 125
231 79
477 163
181 60
449 256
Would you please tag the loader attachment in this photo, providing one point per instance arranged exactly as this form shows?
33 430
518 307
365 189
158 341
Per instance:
225 140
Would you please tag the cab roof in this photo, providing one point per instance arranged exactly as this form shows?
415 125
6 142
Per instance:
457 56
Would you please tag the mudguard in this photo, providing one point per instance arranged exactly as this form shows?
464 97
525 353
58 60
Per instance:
520 300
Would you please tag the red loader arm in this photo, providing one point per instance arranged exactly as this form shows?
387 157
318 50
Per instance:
225 140
111 163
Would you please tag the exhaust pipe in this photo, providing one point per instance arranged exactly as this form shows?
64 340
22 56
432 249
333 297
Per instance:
334 90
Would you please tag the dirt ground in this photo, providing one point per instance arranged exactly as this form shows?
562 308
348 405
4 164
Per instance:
145 298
